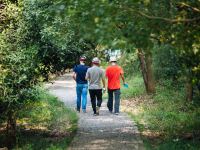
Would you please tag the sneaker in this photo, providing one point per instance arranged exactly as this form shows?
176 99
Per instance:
97 110
116 113
84 110
78 110
94 114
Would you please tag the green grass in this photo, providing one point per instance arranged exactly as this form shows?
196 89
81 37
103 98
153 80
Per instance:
165 119
136 87
172 144
46 124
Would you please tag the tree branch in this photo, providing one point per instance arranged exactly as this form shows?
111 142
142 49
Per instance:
186 5
168 19
162 18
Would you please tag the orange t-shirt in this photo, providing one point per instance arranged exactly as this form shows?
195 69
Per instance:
113 74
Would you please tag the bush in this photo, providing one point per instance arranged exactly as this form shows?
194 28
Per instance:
130 63
45 123
136 87
165 119
166 62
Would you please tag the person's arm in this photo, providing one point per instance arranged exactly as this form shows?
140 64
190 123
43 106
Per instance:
87 76
74 73
106 73
104 85
74 76
123 79
104 82
122 75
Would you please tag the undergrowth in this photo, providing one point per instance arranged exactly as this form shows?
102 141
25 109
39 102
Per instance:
45 124
166 120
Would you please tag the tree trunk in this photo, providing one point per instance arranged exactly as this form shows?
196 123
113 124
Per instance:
189 90
147 73
11 130
143 67
151 82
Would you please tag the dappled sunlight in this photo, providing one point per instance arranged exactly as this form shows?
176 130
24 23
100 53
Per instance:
64 82
151 134
106 131
108 140
100 119
133 105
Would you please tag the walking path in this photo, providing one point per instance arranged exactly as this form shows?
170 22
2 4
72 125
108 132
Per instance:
104 132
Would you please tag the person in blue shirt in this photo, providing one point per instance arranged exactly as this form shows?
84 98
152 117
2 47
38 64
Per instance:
79 73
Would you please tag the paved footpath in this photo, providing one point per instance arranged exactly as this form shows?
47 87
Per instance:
104 132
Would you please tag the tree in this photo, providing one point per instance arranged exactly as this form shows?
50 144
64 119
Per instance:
35 40
144 24
109 23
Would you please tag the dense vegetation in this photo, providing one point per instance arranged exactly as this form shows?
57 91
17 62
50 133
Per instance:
30 50
165 119
44 124
39 38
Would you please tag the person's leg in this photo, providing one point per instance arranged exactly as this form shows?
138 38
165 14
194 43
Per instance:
99 99
78 94
117 100
93 100
84 97
110 100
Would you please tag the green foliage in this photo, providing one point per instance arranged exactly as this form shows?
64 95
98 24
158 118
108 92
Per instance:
129 63
136 87
143 25
165 116
44 124
179 118
33 44
59 45
17 64
46 109
172 144
166 63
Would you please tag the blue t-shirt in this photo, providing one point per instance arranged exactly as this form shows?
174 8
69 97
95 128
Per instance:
80 71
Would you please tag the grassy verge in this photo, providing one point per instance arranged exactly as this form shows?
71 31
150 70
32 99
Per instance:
165 120
135 87
46 124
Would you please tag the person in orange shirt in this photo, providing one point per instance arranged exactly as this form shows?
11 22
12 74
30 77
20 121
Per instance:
113 74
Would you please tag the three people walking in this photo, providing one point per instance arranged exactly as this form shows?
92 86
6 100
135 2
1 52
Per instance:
95 75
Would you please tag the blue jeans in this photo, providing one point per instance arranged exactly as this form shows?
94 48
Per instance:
81 92
110 100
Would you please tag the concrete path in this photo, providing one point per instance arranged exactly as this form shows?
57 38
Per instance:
104 132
